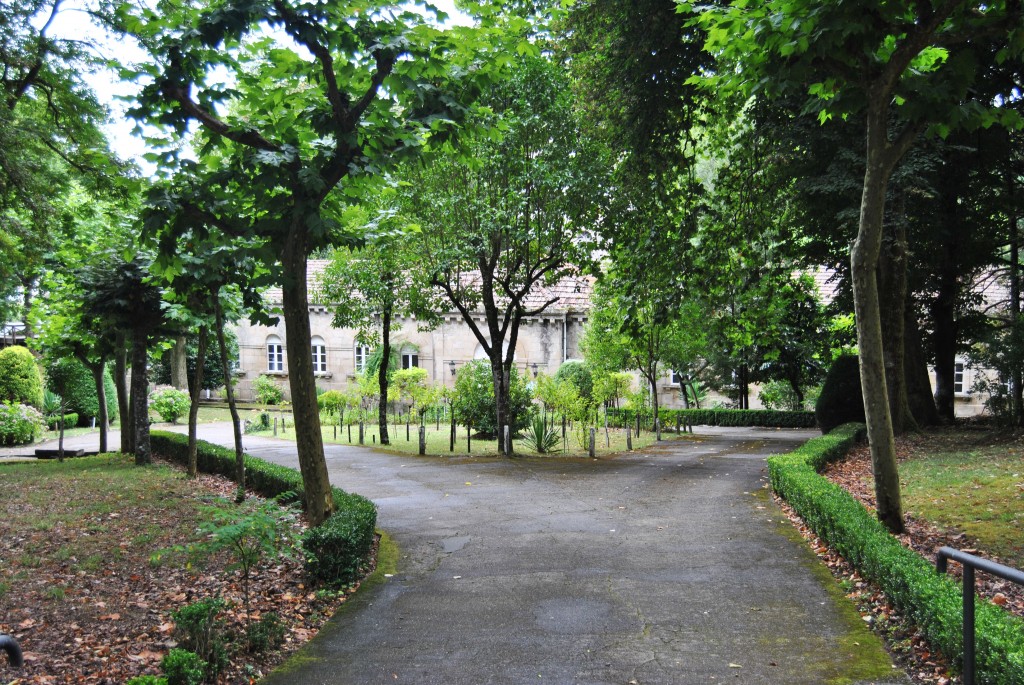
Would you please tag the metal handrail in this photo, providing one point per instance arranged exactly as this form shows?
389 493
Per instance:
971 562
10 645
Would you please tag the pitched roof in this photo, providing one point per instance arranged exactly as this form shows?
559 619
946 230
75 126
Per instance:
573 293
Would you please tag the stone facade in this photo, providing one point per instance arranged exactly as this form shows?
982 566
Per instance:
544 342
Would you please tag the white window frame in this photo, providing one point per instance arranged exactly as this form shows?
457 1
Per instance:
410 360
959 375
275 354
319 350
676 378
361 352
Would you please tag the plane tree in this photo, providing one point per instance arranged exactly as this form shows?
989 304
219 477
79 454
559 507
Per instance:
321 96
907 68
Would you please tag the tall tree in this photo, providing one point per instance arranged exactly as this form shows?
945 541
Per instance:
923 56
516 213
370 288
333 95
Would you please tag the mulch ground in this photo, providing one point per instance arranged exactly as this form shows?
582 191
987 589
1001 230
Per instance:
106 627
908 647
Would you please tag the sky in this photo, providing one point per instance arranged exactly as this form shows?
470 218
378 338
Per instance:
72 23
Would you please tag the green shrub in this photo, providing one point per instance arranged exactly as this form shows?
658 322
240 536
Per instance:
579 375
200 630
335 553
780 395
147 680
20 424
20 380
170 403
266 390
841 400
259 422
475 405
930 600
183 667
72 381
70 420
330 402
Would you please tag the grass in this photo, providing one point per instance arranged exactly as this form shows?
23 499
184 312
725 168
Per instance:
438 441
978 491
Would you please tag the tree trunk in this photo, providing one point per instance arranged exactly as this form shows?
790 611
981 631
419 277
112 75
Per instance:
382 377
179 364
123 399
193 409
140 397
97 370
864 255
943 311
229 390
1016 377
892 295
915 370
500 378
308 439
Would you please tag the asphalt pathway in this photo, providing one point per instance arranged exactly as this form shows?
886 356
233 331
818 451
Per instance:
670 565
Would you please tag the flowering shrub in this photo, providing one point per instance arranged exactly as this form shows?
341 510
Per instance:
19 424
169 403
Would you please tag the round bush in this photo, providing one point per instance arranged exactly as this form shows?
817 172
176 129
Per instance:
170 403
266 390
579 375
70 379
331 402
841 400
19 424
20 380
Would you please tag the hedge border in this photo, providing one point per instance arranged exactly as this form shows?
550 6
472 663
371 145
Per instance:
732 418
335 549
932 601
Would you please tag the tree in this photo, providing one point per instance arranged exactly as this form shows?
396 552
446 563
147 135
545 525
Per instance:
120 294
515 213
922 56
325 102
368 289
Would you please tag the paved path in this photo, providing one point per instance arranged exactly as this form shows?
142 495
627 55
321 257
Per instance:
667 566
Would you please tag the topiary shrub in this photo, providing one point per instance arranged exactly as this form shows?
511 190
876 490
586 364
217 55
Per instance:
579 375
841 400
20 424
69 378
266 391
20 380
170 403
53 422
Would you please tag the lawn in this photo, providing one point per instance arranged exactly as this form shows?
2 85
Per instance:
87 582
973 485
439 438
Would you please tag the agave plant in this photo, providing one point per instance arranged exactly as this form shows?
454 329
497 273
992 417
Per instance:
52 404
539 438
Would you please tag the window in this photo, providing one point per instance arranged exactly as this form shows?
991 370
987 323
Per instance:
958 378
677 378
410 360
319 348
361 354
275 354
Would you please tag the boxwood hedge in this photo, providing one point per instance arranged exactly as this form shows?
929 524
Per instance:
335 549
911 583
760 418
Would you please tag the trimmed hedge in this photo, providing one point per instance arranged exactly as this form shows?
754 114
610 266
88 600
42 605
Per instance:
932 601
70 421
335 549
734 418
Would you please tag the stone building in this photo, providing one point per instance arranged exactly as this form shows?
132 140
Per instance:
544 342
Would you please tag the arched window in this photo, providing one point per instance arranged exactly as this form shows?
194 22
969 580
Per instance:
275 354
319 348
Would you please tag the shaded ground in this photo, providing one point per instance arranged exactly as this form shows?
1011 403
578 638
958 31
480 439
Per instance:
670 566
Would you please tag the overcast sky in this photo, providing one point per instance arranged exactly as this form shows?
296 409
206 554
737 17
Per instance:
74 24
